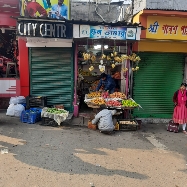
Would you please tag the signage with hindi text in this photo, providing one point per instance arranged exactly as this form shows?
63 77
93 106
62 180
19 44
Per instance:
166 28
117 33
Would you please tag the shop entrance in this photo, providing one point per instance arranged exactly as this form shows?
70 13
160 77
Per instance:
51 75
160 76
88 79
8 54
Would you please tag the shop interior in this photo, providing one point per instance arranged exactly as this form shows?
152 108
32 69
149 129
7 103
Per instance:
96 58
9 66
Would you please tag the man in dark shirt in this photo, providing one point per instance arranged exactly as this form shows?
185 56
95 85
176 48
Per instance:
107 82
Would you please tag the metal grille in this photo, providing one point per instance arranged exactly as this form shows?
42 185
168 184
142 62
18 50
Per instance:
51 75
160 75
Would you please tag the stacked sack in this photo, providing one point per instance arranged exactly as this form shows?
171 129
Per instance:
16 106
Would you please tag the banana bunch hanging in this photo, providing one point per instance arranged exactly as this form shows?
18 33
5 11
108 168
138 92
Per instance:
86 56
113 65
114 54
93 58
102 70
124 57
91 68
134 58
108 57
135 69
103 56
117 59
124 69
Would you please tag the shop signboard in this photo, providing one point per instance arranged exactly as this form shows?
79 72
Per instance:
116 33
166 28
32 28
57 9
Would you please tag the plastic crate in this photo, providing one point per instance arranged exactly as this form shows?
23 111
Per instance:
31 116
34 115
36 102
24 116
49 122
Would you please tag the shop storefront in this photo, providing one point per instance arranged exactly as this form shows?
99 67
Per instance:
52 65
50 60
9 64
162 50
102 49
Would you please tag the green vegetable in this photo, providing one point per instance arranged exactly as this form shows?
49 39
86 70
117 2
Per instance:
55 111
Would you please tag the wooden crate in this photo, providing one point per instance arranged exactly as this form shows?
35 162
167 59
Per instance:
126 125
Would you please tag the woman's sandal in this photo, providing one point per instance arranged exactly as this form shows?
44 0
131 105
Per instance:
185 132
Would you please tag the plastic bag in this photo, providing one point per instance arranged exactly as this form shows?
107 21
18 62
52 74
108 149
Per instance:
17 100
21 99
10 110
18 110
13 100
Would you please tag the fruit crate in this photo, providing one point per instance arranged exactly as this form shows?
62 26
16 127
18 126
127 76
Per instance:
36 102
31 116
34 115
126 125
24 116
49 122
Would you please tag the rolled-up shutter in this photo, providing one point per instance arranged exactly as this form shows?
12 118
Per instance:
51 75
160 75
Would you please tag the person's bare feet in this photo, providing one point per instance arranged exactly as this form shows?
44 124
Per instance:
184 132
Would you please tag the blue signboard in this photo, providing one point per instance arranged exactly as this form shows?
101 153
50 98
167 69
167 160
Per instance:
115 33
108 32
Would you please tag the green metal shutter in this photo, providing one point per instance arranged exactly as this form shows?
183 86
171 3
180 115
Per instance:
160 75
51 75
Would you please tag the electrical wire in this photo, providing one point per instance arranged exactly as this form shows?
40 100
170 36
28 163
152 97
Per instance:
96 7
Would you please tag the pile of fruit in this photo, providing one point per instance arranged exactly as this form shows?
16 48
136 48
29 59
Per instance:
94 94
105 95
98 101
118 95
56 111
112 103
129 103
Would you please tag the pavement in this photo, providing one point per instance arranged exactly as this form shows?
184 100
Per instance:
75 156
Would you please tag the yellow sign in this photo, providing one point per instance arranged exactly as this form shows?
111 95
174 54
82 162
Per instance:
166 28
57 9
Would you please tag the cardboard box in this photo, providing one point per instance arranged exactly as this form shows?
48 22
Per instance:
91 126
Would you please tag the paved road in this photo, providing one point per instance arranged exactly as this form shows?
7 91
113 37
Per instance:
78 157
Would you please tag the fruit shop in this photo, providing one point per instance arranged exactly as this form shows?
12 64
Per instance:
104 49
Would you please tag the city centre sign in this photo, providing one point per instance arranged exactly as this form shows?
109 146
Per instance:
44 29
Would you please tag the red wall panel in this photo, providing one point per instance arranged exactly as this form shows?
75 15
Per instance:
6 20
23 67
